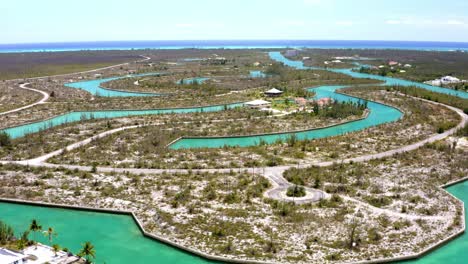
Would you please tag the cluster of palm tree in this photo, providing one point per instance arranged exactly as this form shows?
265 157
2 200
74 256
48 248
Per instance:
87 251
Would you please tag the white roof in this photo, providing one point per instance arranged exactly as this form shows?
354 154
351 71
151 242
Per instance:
274 91
8 256
44 254
257 102
451 78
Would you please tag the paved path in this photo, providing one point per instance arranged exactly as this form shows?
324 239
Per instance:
273 174
45 97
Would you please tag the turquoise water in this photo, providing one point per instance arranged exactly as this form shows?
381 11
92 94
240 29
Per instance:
22 130
198 80
455 252
257 74
117 239
388 80
94 87
379 114
233 44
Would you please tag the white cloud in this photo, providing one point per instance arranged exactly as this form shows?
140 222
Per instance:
418 21
393 22
313 2
455 22
345 23
294 23
185 25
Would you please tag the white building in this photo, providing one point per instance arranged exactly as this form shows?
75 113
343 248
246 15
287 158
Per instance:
11 257
445 80
449 79
258 104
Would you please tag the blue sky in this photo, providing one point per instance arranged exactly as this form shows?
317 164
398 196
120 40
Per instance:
25 21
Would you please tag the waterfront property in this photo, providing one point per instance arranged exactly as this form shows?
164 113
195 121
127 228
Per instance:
258 104
12 257
119 245
116 237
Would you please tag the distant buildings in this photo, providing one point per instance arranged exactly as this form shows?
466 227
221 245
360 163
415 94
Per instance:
324 101
445 80
393 63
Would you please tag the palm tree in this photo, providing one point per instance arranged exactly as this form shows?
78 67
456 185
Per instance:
50 233
56 248
34 226
87 251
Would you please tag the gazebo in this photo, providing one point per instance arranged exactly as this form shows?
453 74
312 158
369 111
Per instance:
273 92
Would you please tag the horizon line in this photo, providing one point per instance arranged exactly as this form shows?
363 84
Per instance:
212 40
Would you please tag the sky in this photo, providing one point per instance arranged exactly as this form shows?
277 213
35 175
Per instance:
34 21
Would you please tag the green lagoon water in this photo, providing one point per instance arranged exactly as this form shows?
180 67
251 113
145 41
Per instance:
387 80
118 240
456 251
379 114
22 130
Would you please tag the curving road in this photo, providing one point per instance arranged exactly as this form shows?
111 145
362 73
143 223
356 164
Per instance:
45 96
273 174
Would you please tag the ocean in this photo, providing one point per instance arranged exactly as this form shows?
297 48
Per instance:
233 44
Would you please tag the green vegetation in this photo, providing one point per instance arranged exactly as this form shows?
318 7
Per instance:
6 233
35 227
296 191
341 109
88 252
5 140
433 96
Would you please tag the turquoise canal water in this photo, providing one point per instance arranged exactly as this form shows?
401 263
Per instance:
388 80
455 252
22 130
94 86
379 114
257 74
198 80
118 240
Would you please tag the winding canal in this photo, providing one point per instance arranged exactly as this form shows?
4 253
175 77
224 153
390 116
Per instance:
117 238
